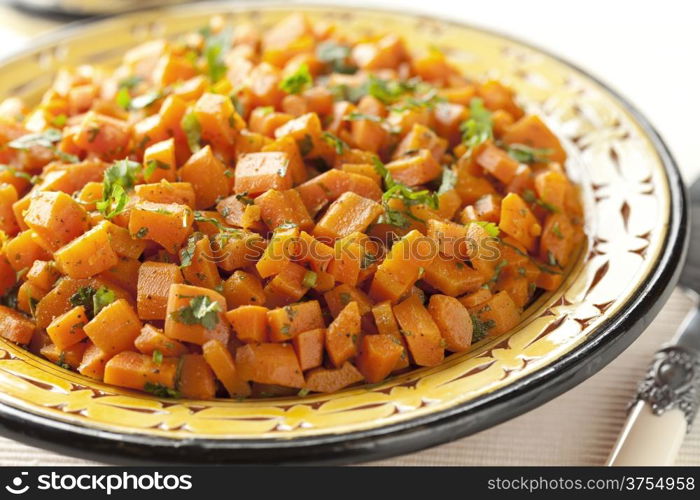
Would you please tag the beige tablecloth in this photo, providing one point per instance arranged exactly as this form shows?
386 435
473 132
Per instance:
577 428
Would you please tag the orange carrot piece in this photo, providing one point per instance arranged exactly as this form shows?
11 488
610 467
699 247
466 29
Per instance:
180 301
343 335
289 321
196 378
154 280
14 326
377 356
249 323
67 329
221 362
269 363
138 371
152 339
309 348
453 320
420 332
114 328
346 215
93 362
332 379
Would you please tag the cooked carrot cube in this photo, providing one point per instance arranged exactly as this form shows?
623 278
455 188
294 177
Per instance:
152 339
181 193
154 281
22 250
421 137
531 131
159 161
71 356
420 332
56 218
88 254
309 347
202 270
453 320
282 247
497 162
43 274
342 295
8 221
138 371
181 323
287 286
498 314
249 323
332 379
219 358
196 378
15 326
377 356
452 276
343 335
114 328
168 224
93 362
283 207
218 120
67 329
243 288
415 169
518 221
288 321
269 363
346 215
207 174
258 172
102 135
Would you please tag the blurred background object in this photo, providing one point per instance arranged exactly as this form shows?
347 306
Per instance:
81 8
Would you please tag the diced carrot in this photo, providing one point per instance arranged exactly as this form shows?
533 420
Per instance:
496 96
309 347
283 207
88 254
421 137
343 335
122 242
14 326
21 251
67 329
243 288
415 169
518 221
124 274
43 274
103 135
181 326
497 162
420 332
328 186
239 249
348 214
152 339
316 253
93 362
159 161
70 356
221 362
154 281
287 286
139 371
289 321
202 269
344 294
498 314
28 296
386 324
377 356
269 363
181 193
114 328
8 277
207 174
531 131
296 164
239 211
280 249
453 320
249 323
332 379
8 221
452 276
218 120
196 378
258 172
168 224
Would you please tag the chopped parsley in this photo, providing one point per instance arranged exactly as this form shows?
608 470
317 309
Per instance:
119 177
93 300
152 165
309 280
527 154
193 131
556 231
298 81
478 128
449 180
215 47
187 252
157 357
491 228
530 197
45 139
480 328
338 144
335 56
160 390
201 310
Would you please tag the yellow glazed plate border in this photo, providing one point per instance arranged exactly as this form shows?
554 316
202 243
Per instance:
636 225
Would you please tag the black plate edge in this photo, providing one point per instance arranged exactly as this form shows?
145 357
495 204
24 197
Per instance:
484 412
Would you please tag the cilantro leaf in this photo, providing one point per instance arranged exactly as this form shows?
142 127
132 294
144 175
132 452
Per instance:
201 310
160 390
193 131
309 280
449 180
491 228
215 47
338 144
298 81
45 139
479 127
102 298
387 91
335 55
118 178
527 154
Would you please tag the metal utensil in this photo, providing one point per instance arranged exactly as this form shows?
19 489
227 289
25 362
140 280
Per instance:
669 396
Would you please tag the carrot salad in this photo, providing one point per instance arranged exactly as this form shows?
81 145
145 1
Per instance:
250 213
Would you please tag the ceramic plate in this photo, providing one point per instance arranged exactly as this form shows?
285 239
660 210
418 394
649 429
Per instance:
636 224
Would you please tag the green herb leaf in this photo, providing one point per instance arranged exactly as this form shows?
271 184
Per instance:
355 116
428 101
157 357
152 165
118 178
59 120
298 81
491 228
479 127
45 139
480 328
215 47
449 180
309 280
527 154
187 252
123 98
335 55
338 144
193 131
102 298
18 173
144 100
387 91
160 390
130 82
202 310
